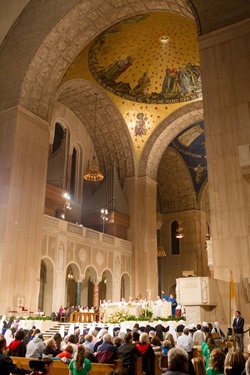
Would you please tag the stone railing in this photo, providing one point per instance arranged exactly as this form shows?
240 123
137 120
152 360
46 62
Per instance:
52 223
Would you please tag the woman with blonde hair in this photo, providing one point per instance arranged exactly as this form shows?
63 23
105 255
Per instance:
216 362
199 366
234 363
170 338
148 355
79 365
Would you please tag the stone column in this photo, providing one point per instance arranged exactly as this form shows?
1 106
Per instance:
225 83
96 294
78 293
24 146
141 194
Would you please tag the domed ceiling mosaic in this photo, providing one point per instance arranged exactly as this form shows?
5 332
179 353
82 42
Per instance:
148 65
151 58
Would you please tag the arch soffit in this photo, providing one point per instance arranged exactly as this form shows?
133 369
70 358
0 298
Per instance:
165 132
48 262
44 62
173 165
93 272
126 276
108 272
75 267
202 194
109 132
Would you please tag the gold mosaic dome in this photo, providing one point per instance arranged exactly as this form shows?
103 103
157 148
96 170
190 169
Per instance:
151 58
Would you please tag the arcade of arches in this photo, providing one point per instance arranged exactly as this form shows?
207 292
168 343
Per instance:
166 116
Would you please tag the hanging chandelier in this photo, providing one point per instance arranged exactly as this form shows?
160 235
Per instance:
93 173
70 275
179 230
161 252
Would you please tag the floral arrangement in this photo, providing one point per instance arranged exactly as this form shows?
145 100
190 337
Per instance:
119 316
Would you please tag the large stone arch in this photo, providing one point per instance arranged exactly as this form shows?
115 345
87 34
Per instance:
165 132
43 55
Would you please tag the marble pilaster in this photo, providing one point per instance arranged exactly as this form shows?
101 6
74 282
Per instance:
24 146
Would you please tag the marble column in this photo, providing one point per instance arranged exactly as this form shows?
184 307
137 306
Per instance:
225 83
24 147
96 294
141 194
78 293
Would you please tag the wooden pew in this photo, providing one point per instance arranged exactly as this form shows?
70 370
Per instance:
60 368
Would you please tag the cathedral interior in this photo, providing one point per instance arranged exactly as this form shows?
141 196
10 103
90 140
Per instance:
153 96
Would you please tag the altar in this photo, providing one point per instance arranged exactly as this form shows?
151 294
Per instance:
136 310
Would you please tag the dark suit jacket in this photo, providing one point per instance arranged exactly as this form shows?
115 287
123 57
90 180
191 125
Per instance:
238 325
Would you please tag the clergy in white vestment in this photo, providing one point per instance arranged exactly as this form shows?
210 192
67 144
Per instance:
157 307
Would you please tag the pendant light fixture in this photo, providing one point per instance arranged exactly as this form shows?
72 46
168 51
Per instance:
93 173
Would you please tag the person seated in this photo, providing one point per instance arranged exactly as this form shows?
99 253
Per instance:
17 347
106 352
89 355
35 347
70 340
199 366
43 367
118 341
58 340
185 341
177 362
99 341
128 352
66 354
50 349
216 362
234 363
156 345
7 366
89 342
148 355
166 347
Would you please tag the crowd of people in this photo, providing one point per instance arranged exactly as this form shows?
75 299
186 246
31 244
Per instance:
214 354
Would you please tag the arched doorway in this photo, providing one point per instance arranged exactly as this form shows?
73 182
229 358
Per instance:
46 286
125 286
73 295
105 286
88 283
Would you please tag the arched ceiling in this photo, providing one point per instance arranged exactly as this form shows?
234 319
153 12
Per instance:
175 183
182 172
47 37
104 124
39 29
